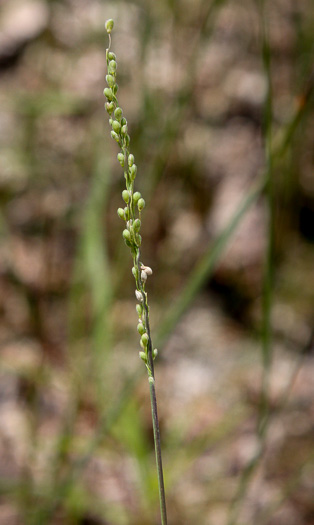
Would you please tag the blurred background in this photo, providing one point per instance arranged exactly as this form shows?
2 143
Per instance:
218 95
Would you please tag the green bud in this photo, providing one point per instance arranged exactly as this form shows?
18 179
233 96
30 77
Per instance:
133 171
141 328
135 272
108 93
126 213
125 196
112 67
124 121
124 129
109 107
109 25
144 339
111 56
136 196
140 204
116 126
127 140
126 235
155 353
110 80
137 225
115 136
120 212
115 89
118 113
131 160
139 310
143 356
120 158
138 239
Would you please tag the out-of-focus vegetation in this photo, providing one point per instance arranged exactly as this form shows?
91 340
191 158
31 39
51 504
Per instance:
219 101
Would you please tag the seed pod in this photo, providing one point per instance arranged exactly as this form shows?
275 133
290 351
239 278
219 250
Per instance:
137 225
112 67
144 339
109 107
120 158
125 196
141 204
130 160
108 93
136 197
115 136
116 126
110 80
133 171
109 25
118 113
141 328
126 235
139 310
120 212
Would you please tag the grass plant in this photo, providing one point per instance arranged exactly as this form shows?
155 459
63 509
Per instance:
131 215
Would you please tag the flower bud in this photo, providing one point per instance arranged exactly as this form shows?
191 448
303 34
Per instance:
143 276
109 25
126 235
120 158
155 353
143 356
110 80
140 204
136 196
115 136
112 67
138 239
118 113
115 88
111 56
125 196
147 269
144 339
135 272
120 212
127 213
127 140
137 225
124 129
116 126
123 121
131 160
141 328
108 93
139 296
109 107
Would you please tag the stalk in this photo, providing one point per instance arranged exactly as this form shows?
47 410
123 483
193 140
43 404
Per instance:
131 215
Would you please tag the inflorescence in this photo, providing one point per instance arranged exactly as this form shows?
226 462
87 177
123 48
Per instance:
134 204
